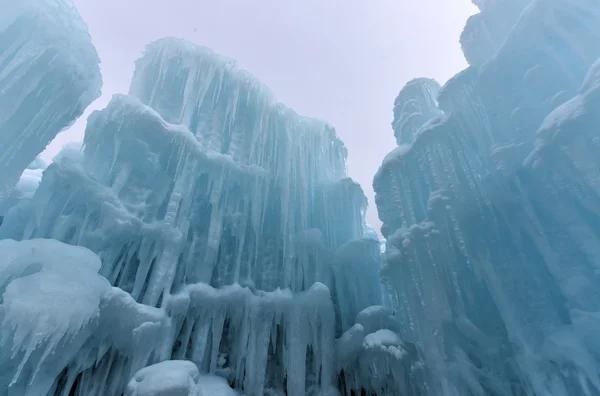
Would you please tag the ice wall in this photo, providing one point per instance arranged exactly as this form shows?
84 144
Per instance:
490 215
228 219
49 74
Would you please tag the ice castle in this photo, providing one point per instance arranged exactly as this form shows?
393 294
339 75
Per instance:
207 240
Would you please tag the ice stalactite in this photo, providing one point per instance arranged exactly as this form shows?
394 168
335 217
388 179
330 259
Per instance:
263 341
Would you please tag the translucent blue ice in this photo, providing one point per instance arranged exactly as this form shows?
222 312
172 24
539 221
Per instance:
49 74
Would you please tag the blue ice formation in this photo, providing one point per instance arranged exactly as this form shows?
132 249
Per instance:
25 188
492 211
206 240
230 236
49 74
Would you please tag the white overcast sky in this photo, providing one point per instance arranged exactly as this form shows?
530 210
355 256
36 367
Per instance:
343 61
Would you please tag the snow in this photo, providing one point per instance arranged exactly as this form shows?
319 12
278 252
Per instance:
170 378
578 113
485 32
385 341
49 74
176 378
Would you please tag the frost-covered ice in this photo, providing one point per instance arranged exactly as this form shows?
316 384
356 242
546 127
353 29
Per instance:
49 74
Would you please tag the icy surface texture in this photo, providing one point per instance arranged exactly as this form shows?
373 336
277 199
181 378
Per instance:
415 105
491 216
49 74
225 223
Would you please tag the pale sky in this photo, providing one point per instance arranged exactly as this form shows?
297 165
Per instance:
343 61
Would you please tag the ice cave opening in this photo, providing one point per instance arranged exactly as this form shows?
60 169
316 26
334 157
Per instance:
206 240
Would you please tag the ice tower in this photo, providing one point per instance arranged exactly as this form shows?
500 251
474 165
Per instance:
491 214
232 241
49 74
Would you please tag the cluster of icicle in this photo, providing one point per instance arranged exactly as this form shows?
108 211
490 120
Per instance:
231 243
